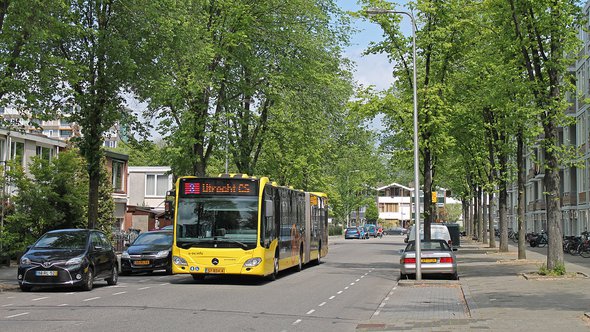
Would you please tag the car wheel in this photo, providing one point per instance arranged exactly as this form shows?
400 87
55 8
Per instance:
25 288
89 280
112 280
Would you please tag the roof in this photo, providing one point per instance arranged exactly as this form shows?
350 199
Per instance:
395 185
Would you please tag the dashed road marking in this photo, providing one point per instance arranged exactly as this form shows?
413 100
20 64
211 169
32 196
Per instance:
332 297
119 293
63 305
91 299
322 304
142 288
21 314
40 298
310 312
297 322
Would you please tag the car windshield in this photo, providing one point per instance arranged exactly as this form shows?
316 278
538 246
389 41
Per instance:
429 246
162 238
220 221
351 229
62 240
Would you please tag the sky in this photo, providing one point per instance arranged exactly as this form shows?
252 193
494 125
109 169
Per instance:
373 70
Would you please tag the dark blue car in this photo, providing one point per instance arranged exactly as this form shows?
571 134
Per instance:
355 233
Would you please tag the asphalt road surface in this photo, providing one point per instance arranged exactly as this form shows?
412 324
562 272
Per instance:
342 292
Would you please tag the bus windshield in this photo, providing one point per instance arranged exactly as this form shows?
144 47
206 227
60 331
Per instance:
217 222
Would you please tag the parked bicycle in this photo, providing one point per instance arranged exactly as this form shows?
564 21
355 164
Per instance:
538 240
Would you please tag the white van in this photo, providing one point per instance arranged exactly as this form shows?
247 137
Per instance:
437 231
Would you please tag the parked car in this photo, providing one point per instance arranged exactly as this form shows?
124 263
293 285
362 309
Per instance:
395 231
355 233
371 230
437 258
149 252
68 257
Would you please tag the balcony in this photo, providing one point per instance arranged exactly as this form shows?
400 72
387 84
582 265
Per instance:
582 197
567 199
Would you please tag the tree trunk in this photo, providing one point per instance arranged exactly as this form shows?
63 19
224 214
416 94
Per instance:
521 193
485 226
551 180
491 228
427 193
480 229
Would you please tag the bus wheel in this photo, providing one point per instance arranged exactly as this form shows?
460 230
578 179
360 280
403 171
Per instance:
319 260
300 264
275 272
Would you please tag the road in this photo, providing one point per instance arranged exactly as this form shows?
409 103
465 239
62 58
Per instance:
344 291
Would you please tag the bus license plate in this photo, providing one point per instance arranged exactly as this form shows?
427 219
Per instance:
46 273
215 270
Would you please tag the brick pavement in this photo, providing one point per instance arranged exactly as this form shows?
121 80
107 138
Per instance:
491 295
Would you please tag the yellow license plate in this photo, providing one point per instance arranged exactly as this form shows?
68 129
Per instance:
428 260
215 270
141 262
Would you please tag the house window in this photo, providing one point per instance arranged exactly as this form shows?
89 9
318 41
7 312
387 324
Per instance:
17 152
65 133
156 185
117 175
44 153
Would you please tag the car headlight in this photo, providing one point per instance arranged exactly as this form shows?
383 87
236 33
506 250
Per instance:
179 261
125 254
252 262
162 254
25 261
75 261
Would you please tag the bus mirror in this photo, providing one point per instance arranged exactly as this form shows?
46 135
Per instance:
169 204
269 212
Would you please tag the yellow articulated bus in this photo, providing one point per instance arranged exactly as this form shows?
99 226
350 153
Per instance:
240 225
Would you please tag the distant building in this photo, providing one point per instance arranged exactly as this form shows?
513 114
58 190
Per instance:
147 192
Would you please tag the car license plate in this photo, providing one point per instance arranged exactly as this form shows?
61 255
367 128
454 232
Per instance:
215 270
142 262
46 273
428 260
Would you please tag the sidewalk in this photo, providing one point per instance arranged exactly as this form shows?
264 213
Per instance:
491 295
8 277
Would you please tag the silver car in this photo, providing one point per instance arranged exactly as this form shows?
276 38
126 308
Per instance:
437 258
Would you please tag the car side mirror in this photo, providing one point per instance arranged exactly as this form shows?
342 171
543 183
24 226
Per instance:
401 251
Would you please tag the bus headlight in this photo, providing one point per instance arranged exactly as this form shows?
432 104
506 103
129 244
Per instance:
252 262
179 261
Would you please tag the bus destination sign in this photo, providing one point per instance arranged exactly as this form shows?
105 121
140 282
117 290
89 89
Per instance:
219 187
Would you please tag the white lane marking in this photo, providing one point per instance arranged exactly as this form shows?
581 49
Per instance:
7 305
63 305
382 305
91 299
118 286
362 277
387 299
11 297
346 287
70 293
339 292
297 322
332 297
164 284
322 304
40 298
119 293
376 313
352 283
21 314
142 288
310 312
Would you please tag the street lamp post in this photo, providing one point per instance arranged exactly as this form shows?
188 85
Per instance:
378 11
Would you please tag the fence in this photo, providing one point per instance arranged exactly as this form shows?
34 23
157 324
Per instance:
120 239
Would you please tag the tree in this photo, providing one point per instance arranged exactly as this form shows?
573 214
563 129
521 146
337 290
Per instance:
545 34
372 212
54 196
